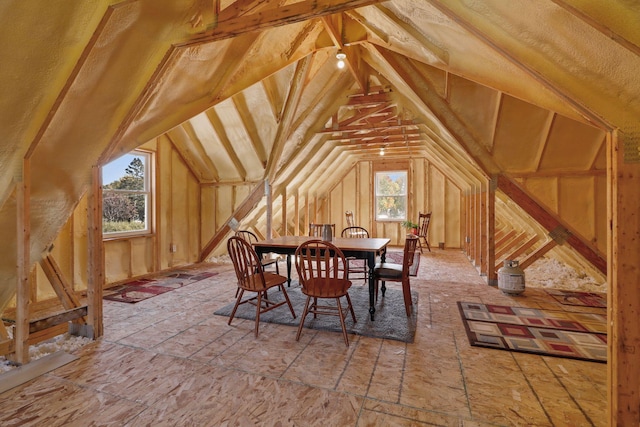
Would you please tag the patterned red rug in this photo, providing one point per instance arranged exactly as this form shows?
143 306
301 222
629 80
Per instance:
582 299
142 289
529 330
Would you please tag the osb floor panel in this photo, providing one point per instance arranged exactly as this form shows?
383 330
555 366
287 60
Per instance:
168 361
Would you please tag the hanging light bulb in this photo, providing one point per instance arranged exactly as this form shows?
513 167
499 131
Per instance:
382 150
341 56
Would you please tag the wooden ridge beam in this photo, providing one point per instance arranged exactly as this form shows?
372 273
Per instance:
550 221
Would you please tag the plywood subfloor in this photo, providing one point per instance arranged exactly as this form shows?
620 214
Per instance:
170 361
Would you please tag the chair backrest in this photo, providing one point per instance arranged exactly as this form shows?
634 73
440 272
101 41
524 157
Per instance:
423 220
349 216
315 230
408 256
317 263
247 235
246 264
355 232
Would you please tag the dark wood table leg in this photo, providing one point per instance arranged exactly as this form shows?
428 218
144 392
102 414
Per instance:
371 261
288 270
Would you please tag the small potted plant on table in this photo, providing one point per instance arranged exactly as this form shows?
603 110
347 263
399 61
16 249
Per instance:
412 227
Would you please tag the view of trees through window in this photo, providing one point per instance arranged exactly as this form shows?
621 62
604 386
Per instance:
125 196
391 195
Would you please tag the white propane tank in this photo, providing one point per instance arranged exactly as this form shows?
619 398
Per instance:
511 278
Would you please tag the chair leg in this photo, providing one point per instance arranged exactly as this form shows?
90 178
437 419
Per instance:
342 323
286 297
406 293
353 313
235 307
258 309
304 315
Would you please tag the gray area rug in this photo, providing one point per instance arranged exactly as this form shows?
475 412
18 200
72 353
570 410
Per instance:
391 321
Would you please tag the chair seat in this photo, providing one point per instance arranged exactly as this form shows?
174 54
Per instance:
273 279
388 270
326 287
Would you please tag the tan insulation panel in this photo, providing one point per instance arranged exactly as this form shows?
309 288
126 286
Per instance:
520 129
419 180
601 213
117 260
208 202
224 208
571 146
44 290
141 256
180 212
336 214
193 218
80 250
348 200
545 190
577 205
453 207
364 213
63 252
477 105
241 192
164 159
437 183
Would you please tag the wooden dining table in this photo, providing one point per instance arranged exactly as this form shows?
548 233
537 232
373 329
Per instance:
362 248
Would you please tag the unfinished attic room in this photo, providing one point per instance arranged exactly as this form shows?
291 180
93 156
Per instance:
320 213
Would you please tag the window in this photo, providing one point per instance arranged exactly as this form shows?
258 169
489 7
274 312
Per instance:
391 196
126 194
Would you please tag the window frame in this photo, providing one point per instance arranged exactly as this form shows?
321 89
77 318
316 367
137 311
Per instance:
148 193
387 172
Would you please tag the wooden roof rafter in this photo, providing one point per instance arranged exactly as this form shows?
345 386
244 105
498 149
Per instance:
277 16
334 26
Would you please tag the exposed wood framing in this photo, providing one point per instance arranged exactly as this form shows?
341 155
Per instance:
60 285
539 253
550 221
520 250
23 240
610 33
288 114
623 298
95 247
511 244
488 211
249 203
49 321
280 15
333 24
537 75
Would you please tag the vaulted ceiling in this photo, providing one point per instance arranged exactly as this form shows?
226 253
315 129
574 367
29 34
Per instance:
249 90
